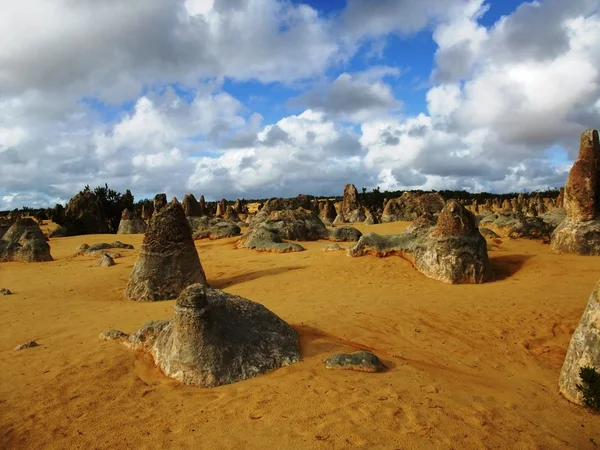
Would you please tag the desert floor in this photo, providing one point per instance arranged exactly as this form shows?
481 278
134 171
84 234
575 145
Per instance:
470 366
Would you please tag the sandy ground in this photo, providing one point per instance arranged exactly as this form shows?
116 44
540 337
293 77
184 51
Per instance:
470 366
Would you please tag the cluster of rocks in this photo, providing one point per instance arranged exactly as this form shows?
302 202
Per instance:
24 241
452 251
579 232
411 206
101 249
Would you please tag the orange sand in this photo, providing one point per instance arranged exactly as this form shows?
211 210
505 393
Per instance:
470 366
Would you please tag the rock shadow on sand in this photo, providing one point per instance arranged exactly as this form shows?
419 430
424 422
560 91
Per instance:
223 283
504 267
316 343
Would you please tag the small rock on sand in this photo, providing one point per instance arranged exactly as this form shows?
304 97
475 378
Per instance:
332 248
26 345
113 335
5 291
362 361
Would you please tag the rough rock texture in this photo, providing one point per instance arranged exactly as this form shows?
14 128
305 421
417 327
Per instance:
555 217
581 198
264 240
24 241
231 215
454 251
328 214
584 349
488 234
105 261
362 361
350 200
113 335
217 229
159 202
83 215
410 206
191 207
5 291
131 223
560 201
345 234
217 338
59 231
147 212
579 233
168 260
221 207
295 225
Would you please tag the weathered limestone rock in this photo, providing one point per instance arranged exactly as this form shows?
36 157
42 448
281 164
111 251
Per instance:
350 200
105 261
131 223
361 361
345 234
294 225
217 229
584 349
24 241
168 261
26 345
5 291
328 214
579 233
83 215
454 251
560 201
264 240
410 206
160 201
332 248
146 212
191 207
231 215
216 338
221 206
581 200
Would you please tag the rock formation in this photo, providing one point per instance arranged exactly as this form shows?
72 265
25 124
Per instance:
146 212
579 233
105 261
345 234
351 210
328 214
584 349
168 261
361 361
131 223
83 215
453 251
191 207
159 202
216 338
221 207
410 206
24 241
217 229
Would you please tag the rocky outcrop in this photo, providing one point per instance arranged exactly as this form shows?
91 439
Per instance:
584 349
191 207
131 223
24 241
216 338
328 213
83 215
231 215
579 233
159 202
453 251
411 206
294 225
168 261
105 261
345 234
217 229
351 210
265 240
221 206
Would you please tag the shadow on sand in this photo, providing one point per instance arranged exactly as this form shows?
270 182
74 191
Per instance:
318 343
504 267
222 283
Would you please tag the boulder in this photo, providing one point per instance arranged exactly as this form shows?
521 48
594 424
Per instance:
131 223
5 291
168 261
332 248
216 338
105 261
264 240
345 234
24 241
218 230
584 349
361 361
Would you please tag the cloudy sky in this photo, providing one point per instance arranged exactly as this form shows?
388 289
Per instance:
261 98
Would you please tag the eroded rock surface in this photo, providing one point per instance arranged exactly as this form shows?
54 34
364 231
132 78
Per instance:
216 338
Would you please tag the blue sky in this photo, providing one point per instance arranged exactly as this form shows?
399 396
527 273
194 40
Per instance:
255 98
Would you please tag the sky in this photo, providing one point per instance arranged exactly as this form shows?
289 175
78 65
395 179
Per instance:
263 98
